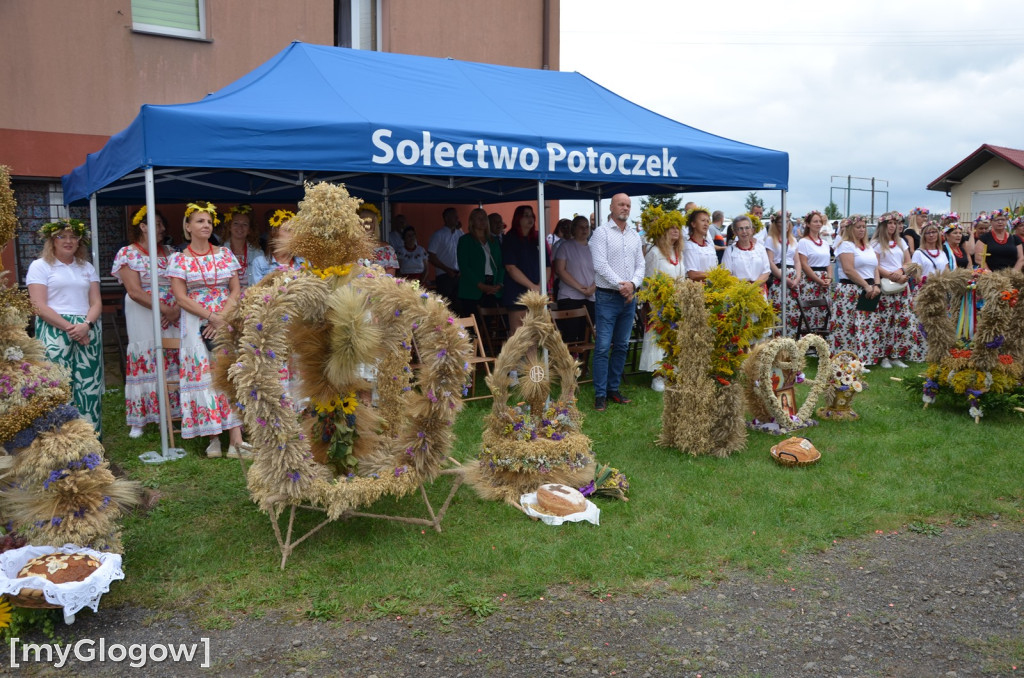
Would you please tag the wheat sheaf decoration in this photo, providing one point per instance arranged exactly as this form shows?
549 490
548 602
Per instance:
334 323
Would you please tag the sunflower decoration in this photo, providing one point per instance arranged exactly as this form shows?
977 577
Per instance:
5 613
203 206
279 217
656 222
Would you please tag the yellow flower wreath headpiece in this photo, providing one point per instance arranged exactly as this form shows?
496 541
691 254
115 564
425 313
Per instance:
656 222
694 210
279 217
203 206
370 207
139 216
76 226
237 209
756 222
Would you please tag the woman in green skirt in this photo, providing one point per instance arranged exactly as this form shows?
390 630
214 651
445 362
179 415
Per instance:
65 292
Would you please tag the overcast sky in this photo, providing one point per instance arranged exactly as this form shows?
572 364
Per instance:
900 90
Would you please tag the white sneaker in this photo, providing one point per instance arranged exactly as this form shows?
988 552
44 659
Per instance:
240 451
658 384
213 449
886 365
865 370
899 363
136 432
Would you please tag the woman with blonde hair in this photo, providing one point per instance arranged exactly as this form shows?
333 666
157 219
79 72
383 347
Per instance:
204 279
850 327
65 293
915 225
664 231
895 322
131 267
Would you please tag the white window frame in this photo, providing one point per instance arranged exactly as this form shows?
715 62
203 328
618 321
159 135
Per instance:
157 29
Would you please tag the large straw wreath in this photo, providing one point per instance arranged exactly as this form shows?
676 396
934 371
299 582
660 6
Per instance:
988 362
332 320
535 438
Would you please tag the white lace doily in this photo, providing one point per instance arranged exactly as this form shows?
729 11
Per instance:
72 596
590 514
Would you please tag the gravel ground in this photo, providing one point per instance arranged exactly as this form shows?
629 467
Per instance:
887 605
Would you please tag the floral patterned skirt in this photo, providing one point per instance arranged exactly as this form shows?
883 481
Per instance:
852 330
896 327
810 290
141 398
792 310
205 411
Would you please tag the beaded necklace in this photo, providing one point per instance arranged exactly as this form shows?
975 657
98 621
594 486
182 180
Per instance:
199 265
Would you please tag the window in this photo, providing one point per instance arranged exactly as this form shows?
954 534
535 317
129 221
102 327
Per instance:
357 24
179 18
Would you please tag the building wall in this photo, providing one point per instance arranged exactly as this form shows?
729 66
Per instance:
1009 178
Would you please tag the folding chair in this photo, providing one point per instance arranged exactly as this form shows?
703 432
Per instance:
568 322
173 386
480 357
495 326
804 326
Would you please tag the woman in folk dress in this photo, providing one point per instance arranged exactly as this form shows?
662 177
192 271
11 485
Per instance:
894 321
814 255
664 256
131 267
204 279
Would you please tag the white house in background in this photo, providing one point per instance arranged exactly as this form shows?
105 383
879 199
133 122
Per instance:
990 178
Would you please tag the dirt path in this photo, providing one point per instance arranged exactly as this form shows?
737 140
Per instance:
887 605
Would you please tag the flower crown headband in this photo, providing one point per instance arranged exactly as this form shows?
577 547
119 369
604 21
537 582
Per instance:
279 217
370 207
237 209
76 226
890 216
139 216
807 217
688 219
999 213
656 222
203 206
920 211
756 222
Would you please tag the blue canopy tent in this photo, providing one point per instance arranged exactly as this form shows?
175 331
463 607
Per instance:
411 129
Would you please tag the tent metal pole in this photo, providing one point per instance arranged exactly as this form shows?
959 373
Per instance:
154 299
542 227
784 232
385 209
94 231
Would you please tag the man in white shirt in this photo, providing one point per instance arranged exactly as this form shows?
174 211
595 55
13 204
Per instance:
618 271
442 252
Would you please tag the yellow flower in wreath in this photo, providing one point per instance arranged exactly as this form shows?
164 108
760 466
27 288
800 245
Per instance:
5 613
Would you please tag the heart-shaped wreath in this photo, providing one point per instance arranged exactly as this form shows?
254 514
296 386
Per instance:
788 356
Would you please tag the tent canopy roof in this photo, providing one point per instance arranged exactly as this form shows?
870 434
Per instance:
420 129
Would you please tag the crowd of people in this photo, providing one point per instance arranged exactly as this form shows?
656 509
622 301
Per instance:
866 279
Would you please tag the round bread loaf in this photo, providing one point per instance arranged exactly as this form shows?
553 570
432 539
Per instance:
560 500
60 567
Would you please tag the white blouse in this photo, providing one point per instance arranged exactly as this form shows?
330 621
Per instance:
67 285
746 264
931 262
864 260
697 258
817 255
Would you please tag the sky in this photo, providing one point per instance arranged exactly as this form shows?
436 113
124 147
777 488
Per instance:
898 90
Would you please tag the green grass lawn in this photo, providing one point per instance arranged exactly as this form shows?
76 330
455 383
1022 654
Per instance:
205 547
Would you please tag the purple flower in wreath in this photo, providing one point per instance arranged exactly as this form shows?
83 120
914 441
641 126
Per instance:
442 353
293 476
588 489
399 470
996 342
259 327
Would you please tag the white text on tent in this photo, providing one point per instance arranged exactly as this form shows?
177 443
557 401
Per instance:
481 155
